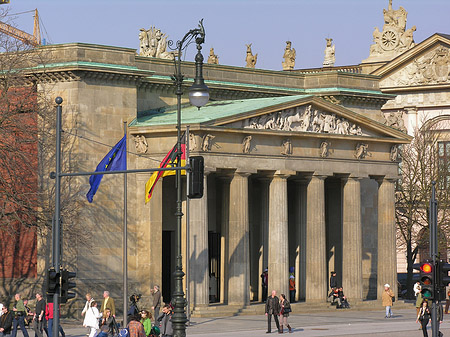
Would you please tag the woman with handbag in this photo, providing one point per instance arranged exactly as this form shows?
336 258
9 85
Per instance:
284 312
424 317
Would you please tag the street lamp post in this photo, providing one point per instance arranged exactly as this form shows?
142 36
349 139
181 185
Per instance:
198 96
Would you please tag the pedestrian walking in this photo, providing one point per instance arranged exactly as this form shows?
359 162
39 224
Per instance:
108 303
39 316
386 300
291 285
49 318
419 301
424 317
447 302
87 306
19 317
273 308
110 322
6 321
91 320
285 309
156 301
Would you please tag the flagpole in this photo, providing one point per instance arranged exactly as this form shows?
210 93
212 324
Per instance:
125 237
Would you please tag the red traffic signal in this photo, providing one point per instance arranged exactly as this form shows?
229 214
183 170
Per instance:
426 267
427 277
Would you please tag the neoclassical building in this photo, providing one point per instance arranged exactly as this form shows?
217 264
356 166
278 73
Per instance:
300 169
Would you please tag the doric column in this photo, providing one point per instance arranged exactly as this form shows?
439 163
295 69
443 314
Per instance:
316 268
300 225
198 248
263 208
224 238
155 229
387 253
278 235
238 247
352 239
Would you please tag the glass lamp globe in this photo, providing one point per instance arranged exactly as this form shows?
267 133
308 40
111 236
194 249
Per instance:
199 95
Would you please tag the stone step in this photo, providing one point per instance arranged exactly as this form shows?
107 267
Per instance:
297 308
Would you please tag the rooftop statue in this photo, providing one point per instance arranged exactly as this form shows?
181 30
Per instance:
153 43
394 39
289 57
250 59
213 58
330 57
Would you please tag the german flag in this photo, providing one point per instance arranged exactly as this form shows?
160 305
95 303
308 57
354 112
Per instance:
168 161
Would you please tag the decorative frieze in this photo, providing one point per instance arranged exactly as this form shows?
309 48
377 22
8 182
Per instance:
141 144
207 142
306 119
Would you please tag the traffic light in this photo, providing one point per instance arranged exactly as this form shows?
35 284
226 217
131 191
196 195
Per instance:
427 279
197 165
53 281
444 268
66 285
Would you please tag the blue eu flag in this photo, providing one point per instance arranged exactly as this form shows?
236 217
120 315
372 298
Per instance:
115 160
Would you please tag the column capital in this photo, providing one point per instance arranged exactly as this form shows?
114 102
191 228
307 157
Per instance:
309 177
382 179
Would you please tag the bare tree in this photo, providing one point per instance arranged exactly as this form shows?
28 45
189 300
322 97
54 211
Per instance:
419 168
27 150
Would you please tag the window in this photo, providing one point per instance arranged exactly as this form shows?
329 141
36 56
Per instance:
444 164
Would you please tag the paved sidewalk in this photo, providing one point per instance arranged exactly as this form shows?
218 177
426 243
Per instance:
335 323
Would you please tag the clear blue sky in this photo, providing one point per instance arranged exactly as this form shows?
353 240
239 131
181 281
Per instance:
230 24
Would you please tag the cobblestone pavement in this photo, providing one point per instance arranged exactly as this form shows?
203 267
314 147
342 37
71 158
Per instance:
334 323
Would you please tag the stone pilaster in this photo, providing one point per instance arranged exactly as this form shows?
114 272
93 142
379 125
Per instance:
278 235
300 224
387 253
352 239
238 246
198 248
316 268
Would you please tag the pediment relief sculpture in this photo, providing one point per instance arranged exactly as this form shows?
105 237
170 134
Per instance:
394 39
305 119
153 43
431 68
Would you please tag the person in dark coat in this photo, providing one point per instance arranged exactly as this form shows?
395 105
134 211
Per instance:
5 322
272 308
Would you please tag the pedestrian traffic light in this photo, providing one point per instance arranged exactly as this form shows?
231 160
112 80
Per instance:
196 177
66 285
427 280
444 279
53 281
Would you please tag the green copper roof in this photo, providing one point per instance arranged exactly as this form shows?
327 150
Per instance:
211 111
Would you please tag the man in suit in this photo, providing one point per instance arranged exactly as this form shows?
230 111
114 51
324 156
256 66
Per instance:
272 308
156 301
108 303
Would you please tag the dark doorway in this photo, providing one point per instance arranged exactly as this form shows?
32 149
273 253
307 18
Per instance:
214 266
167 270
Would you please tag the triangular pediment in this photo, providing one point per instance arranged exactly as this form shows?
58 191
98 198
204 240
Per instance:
428 63
310 115
301 114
